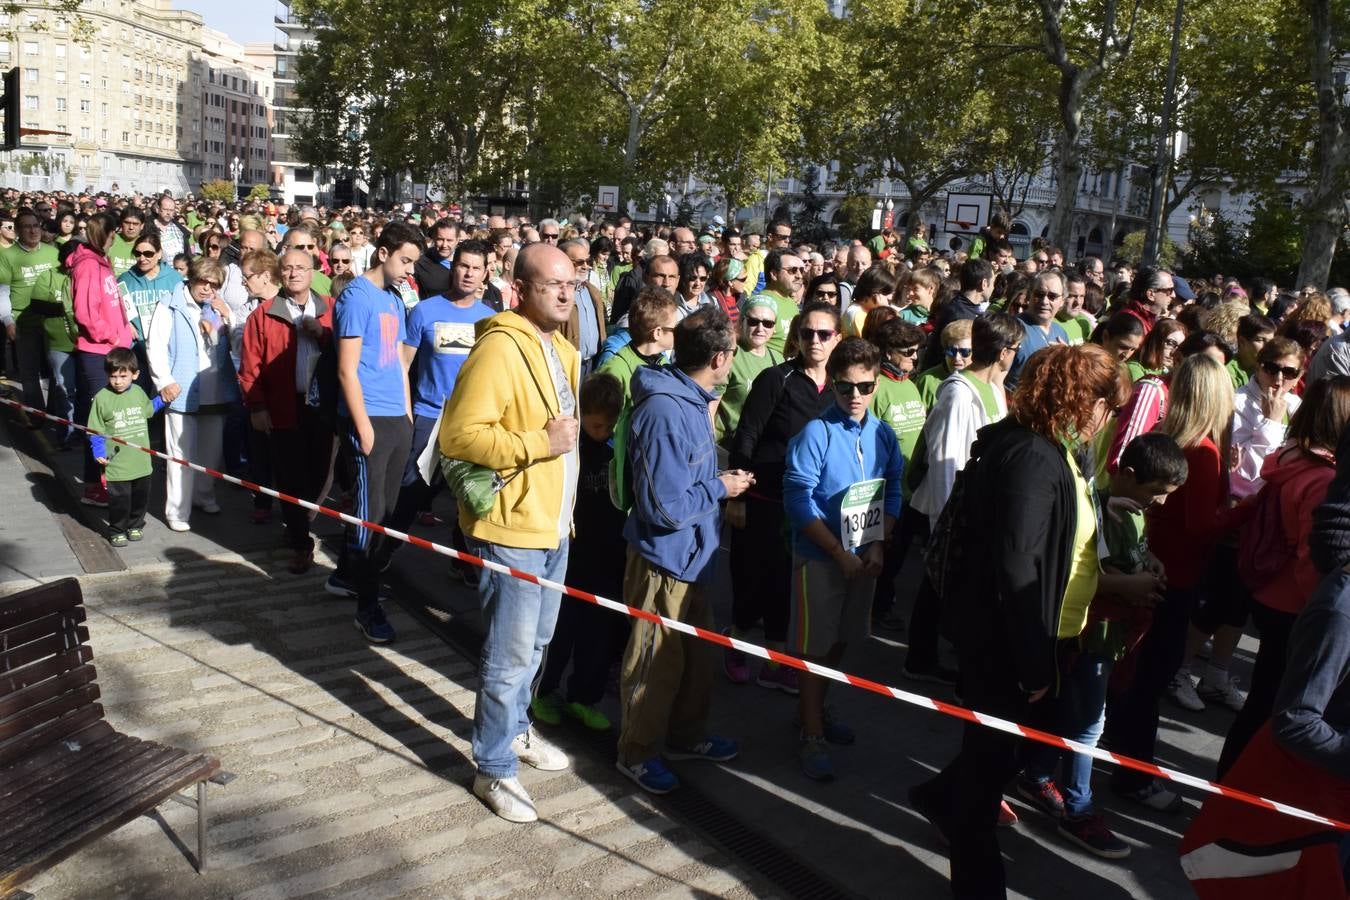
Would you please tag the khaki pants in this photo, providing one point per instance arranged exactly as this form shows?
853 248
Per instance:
666 687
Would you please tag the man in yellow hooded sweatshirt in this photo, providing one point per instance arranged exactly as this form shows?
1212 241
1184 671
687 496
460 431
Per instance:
514 409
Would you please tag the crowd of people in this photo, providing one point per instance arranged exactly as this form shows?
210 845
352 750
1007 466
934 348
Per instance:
1110 472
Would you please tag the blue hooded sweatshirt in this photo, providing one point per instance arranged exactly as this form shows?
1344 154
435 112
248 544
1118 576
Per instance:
827 456
676 519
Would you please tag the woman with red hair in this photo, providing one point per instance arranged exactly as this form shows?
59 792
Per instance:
1021 570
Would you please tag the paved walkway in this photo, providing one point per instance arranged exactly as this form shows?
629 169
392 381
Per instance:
353 760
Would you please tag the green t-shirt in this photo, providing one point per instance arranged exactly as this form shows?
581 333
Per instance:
126 416
986 392
928 381
1083 564
1076 329
321 284
898 404
745 368
787 310
622 365
1137 370
20 268
914 314
1239 375
1126 549
119 254
53 286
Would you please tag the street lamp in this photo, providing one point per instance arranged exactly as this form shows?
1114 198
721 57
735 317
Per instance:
236 168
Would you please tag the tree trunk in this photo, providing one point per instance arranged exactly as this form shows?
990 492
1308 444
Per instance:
630 149
1324 207
1068 156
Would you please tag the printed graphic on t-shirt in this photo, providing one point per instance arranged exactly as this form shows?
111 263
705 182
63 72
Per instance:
389 323
454 338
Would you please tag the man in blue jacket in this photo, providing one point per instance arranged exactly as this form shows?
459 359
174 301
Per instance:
673 533
841 491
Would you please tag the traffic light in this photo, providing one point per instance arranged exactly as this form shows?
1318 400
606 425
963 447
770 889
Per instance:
12 104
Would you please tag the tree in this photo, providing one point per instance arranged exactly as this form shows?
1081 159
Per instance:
808 225
48 14
1132 250
259 192
854 217
1325 204
219 189
1084 42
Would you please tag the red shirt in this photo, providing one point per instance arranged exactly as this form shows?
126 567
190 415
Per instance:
1183 531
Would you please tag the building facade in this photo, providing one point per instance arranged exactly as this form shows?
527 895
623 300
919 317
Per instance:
234 87
295 181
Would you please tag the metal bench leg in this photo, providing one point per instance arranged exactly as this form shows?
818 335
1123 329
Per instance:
201 826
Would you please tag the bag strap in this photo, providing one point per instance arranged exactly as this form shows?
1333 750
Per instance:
542 396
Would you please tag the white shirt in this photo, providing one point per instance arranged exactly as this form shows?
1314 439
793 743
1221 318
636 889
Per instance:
1255 437
306 348
567 406
949 432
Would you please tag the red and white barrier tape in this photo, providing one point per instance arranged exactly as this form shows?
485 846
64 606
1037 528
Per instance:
949 709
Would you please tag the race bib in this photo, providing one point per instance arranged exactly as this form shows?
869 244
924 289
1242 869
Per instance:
860 514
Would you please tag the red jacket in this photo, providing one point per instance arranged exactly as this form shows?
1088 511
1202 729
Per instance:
1183 532
267 357
1301 480
98 306
1141 311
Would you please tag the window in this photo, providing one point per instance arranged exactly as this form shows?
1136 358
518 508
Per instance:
86 106
103 110
30 48
126 88
86 79
85 133
60 104
126 135
30 101
60 51
103 136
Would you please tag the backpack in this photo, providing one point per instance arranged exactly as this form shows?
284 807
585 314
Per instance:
620 478
1264 550
947 562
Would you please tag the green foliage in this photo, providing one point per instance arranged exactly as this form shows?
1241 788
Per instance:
1132 250
1269 245
854 218
51 15
219 189
259 192
684 213
808 225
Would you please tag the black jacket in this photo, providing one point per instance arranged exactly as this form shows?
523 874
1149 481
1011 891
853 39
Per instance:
630 283
433 279
781 401
1021 514
959 307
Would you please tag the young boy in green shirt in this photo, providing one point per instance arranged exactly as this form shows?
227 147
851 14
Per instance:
122 410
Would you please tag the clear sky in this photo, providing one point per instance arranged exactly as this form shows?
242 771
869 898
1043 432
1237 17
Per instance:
243 20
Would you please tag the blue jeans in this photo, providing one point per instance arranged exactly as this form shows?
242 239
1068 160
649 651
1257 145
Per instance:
61 397
1080 716
519 619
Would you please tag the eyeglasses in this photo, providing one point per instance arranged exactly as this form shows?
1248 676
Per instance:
781 236
1171 344
907 351
286 270
827 295
213 247
1046 295
302 246
549 237
759 323
820 334
963 352
847 388
581 263
214 285
794 270
1274 370
697 279
1165 290
144 254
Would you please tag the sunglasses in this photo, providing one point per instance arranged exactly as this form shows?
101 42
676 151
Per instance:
1166 290
794 270
848 388
907 351
144 254
828 295
337 260
549 237
759 323
1273 370
820 334
781 237
214 285
963 352
303 246
212 246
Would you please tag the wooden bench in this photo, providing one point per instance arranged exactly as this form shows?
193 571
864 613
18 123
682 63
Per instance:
66 776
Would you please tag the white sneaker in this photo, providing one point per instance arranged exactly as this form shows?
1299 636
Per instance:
506 797
175 525
533 750
1182 691
1224 694
210 507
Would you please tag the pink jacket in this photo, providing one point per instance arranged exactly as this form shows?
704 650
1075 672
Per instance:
98 306
1301 480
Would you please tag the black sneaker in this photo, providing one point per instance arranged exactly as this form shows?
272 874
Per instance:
373 624
1044 795
1090 833
929 811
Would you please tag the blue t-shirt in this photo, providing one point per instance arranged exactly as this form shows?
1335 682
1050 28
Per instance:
442 333
1033 339
376 317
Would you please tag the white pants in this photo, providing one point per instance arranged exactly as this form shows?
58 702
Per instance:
195 439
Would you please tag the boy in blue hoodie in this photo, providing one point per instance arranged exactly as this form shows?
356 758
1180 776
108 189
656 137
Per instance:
673 533
841 491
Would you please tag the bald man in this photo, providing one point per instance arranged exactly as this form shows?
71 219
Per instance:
514 410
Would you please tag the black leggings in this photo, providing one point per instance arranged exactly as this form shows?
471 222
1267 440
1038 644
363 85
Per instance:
1274 627
761 570
375 489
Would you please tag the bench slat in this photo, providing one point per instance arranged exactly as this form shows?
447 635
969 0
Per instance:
19 679
37 602
50 816
47 646
44 690
69 702
63 768
55 730
50 624
108 818
104 813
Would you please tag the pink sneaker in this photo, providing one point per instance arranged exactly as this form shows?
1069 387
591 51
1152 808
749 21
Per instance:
736 666
95 495
778 678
